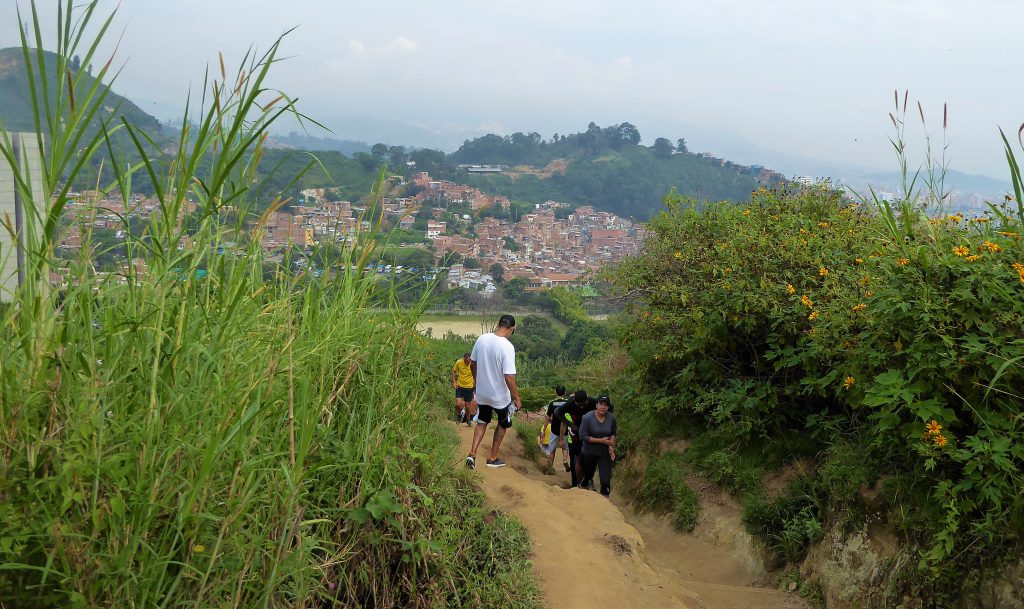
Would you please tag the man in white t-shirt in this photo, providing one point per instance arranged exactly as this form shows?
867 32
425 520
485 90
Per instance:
493 362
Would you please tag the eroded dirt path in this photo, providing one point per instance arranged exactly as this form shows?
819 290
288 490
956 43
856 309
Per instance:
593 554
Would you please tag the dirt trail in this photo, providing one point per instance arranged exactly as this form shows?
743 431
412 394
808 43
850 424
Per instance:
592 554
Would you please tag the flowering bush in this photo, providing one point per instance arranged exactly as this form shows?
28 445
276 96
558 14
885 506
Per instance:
802 311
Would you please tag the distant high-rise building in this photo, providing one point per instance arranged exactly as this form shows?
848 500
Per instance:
14 208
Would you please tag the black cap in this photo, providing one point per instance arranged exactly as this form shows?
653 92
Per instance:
581 396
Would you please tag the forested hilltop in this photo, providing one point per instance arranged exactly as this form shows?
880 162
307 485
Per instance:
608 168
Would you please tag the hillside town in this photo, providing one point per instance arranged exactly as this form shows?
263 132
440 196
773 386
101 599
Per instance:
546 247
553 245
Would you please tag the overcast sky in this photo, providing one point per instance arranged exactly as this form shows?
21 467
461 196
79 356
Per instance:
809 78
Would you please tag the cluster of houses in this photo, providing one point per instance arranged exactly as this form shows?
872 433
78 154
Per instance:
549 247
545 250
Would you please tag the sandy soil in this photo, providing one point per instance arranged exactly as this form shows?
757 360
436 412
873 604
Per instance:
591 553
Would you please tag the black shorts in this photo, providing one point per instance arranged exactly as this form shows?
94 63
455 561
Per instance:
465 393
483 415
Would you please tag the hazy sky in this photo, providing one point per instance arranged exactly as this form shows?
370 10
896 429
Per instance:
811 78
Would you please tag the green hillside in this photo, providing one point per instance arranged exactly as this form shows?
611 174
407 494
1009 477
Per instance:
16 100
607 168
278 169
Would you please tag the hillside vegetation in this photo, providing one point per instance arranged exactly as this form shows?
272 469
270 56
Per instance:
16 107
185 433
606 168
880 349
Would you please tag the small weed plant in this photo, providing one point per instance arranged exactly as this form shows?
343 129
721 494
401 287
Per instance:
664 488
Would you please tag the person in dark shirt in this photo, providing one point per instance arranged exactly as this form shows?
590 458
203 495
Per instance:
597 434
554 437
571 415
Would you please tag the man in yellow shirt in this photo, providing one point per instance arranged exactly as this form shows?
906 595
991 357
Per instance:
464 385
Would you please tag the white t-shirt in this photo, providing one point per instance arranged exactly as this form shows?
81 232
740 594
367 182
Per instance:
495 357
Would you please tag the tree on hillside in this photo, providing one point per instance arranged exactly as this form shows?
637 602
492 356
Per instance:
510 244
629 134
582 333
471 263
397 157
663 148
515 288
368 162
497 273
379 151
681 146
568 306
432 161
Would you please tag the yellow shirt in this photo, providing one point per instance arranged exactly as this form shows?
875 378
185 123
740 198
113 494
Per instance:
465 374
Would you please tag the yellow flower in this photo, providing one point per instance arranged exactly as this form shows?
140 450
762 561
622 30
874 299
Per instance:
199 548
859 307
813 316
869 293
746 212
790 289
961 251
1009 234
903 262
859 261
823 272
807 301
1017 267
823 224
933 428
848 382
864 280
992 247
679 255
973 258
940 440
728 269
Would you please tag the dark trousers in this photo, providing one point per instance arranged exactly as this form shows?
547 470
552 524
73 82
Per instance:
575 466
602 463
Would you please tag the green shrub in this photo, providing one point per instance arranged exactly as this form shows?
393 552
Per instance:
801 320
664 488
788 524
528 432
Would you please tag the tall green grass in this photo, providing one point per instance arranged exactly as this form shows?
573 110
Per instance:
171 438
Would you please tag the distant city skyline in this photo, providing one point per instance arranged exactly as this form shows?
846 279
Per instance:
791 84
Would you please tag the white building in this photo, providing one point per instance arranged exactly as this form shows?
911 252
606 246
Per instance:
18 206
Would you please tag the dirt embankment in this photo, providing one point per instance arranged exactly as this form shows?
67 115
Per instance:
590 554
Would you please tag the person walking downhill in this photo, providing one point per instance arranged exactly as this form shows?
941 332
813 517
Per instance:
464 385
597 431
493 362
554 439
